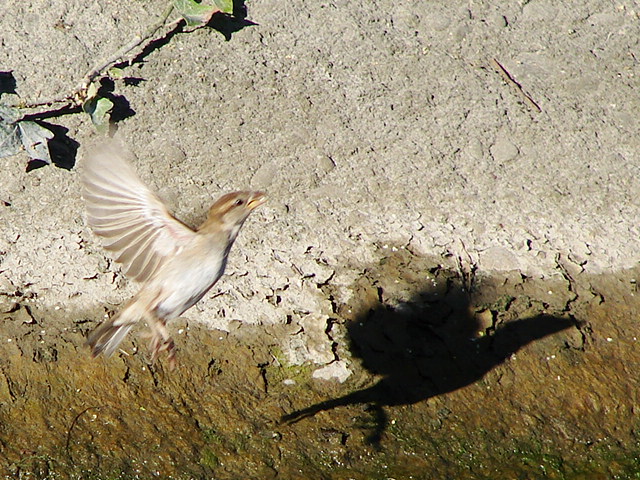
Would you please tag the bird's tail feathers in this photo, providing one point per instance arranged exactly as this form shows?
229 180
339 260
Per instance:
107 336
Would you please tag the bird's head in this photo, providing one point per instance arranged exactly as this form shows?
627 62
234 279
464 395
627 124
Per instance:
231 210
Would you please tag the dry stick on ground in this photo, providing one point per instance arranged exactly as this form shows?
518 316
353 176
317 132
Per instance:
466 275
509 79
78 96
73 424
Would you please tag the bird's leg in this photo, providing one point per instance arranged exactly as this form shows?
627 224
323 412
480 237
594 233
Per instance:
161 341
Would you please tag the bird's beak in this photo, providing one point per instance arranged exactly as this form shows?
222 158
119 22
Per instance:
257 199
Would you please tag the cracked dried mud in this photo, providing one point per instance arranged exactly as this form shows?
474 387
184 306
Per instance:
500 376
442 284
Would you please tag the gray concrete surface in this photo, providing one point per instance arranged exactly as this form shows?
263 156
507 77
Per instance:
371 125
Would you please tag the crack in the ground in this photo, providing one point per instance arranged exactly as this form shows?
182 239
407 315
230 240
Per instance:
334 343
571 287
575 288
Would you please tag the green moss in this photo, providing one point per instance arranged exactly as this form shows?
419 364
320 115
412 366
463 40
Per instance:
211 436
282 369
208 459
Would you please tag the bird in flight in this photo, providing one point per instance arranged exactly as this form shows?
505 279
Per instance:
175 264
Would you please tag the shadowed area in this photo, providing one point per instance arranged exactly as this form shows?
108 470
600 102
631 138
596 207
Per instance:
500 382
227 25
7 83
429 345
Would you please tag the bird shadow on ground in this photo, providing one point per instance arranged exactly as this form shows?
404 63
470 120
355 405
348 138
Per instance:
426 346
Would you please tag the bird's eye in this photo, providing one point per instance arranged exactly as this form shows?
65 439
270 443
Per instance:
238 202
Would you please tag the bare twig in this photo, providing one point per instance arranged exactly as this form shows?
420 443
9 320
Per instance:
466 275
510 80
45 103
78 96
101 66
75 420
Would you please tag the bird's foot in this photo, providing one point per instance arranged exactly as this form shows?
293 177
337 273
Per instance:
159 344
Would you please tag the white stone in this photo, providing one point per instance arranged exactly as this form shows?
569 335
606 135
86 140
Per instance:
334 371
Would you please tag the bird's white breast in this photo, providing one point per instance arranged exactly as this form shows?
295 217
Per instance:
185 279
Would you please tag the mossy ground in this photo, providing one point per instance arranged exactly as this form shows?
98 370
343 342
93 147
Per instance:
530 390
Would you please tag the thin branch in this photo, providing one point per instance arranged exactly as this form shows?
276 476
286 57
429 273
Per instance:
101 66
73 424
78 96
68 100
509 79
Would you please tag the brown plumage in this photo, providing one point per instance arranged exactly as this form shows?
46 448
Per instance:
175 264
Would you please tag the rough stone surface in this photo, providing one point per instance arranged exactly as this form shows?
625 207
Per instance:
335 371
384 137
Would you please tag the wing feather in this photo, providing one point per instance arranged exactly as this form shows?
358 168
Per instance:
130 218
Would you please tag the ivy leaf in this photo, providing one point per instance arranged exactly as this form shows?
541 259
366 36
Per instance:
225 6
16 134
99 109
9 135
9 115
116 73
197 14
35 140
92 91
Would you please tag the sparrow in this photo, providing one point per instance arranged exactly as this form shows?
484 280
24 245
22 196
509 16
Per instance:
175 264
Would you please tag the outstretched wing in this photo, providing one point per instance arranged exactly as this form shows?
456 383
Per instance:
130 218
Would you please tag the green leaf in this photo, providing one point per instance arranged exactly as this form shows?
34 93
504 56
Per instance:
35 140
116 73
196 14
16 134
225 6
9 115
9 140
99 109
92 91
9 135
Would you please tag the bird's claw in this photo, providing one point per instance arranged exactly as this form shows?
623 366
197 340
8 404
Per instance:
159 345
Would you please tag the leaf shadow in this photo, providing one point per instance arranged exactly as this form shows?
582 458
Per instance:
121 107
62 148
428 345
8 83
227 25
